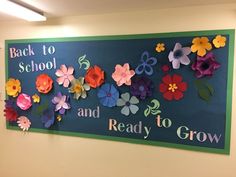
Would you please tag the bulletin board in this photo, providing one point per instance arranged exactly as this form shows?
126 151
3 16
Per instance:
167 89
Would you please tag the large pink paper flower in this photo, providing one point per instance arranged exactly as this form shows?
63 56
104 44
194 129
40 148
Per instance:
24 101
122 74
65 75
24 123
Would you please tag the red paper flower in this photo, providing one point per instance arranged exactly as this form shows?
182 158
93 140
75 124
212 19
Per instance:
94 76
165 68
10 114
44 83
173 87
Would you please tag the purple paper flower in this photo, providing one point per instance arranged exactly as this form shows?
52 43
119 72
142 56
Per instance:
61 103
108 95
205 66
179 55
48 117
141 87
9 103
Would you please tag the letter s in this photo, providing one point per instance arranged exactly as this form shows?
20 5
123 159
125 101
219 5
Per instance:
21 66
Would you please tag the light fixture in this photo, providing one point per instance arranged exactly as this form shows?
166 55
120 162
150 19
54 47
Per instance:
21 10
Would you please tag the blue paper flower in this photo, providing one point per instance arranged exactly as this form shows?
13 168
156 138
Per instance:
9 103
108 95
146 65
48 117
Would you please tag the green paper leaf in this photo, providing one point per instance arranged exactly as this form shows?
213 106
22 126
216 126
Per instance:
39 110
156 104
205 90
147 111
155 112
204 94
210 88
83 61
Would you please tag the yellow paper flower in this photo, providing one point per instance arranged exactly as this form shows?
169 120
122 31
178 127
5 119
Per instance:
219 41
160 47
36 98
201 45
59 118
13 87
79 88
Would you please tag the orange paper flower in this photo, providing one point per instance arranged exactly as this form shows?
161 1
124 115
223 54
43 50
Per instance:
160 47
201 45
44 83
94 76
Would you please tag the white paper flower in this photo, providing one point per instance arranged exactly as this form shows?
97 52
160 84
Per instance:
24 123
129 104
179 55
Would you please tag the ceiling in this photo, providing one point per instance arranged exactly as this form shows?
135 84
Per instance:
62 8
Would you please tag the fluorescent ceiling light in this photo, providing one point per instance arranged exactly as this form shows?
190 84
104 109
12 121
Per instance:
20 11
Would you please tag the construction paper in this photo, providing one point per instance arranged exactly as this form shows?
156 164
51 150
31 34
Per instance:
170 89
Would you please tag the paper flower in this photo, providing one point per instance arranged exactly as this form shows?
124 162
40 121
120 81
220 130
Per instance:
24 123
44 83
179 55
160 47
79 88
36 98
201 45
13 87
24 101
172 87
205 66
10 112
65 75
141 87
61 103
59 118
165 68
9 103
94 76
108 95
146 65
48 118
123 74
219 41
129 104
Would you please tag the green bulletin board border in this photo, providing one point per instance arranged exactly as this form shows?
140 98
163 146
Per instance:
230 32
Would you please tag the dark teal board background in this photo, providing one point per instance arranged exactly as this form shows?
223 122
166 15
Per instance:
106 52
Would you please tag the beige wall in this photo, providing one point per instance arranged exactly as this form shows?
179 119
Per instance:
43 155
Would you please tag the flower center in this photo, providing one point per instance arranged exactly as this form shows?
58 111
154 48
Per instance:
61 102
44 83
14 87
77 88
95 76
178 54
127 103
172 87
123 75
141 88
205 65
108 94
